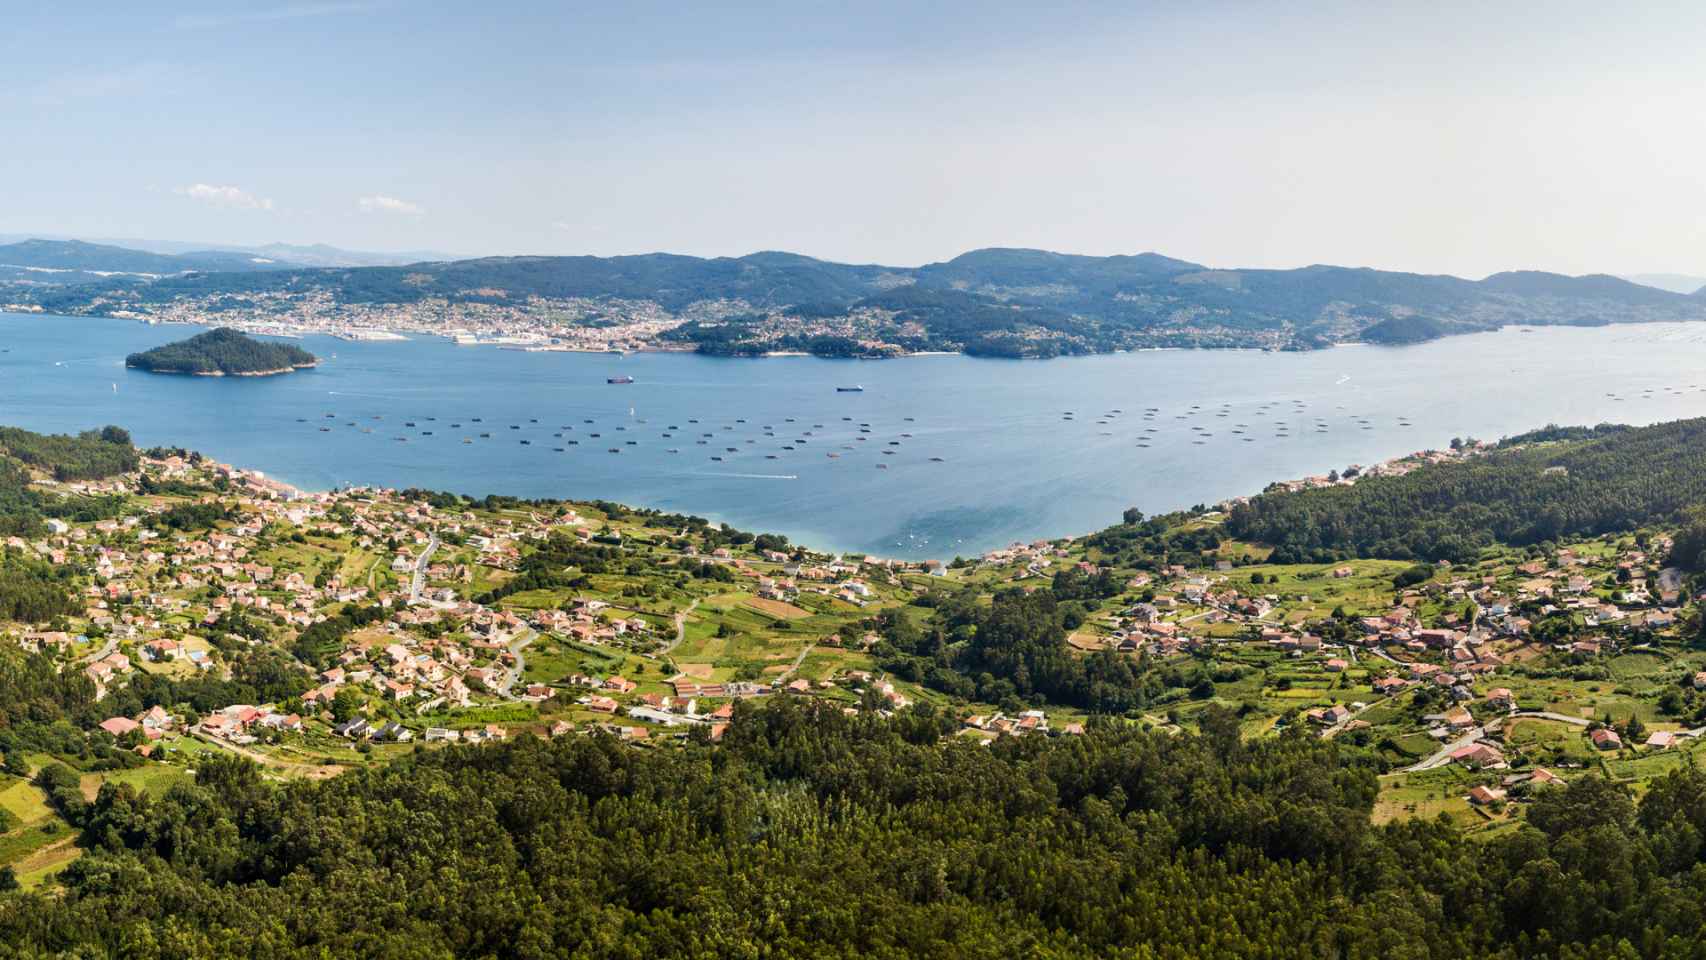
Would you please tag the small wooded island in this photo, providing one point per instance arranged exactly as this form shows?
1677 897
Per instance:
223 352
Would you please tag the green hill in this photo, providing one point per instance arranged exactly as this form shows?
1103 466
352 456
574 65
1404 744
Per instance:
1531 490
222 352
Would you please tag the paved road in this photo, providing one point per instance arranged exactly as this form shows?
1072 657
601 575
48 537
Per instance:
1443 756
104 652
417 581
680 629
513 674
1560 717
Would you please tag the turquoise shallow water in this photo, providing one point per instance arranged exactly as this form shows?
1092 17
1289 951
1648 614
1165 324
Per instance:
1013 466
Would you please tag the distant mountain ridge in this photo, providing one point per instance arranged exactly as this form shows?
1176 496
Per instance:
999 301
301 255
94 259
1674 282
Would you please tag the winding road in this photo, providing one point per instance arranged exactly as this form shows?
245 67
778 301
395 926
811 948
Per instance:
513 674
417 582
1443 755
680 629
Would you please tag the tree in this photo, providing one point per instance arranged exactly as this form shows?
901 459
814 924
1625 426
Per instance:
346 704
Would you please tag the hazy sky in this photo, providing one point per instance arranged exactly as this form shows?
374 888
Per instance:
1437 137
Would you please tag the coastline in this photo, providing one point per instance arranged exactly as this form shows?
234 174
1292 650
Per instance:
543 343
224 373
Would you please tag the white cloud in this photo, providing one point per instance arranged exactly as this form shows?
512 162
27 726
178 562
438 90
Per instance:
383 204
292 12
235 198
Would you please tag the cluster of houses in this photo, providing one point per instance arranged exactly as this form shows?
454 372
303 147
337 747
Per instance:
155 592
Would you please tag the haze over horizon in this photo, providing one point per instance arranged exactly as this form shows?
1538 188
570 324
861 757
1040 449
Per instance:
1448 140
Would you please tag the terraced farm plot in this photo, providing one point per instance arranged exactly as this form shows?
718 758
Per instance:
777 609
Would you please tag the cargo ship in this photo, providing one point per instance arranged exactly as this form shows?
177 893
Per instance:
618 379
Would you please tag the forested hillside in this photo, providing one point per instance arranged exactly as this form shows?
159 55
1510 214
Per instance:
1524 494
222 351
810 834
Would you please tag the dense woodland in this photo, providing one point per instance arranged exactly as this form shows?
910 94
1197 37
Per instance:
1529 493
223 350
807 833
1012 650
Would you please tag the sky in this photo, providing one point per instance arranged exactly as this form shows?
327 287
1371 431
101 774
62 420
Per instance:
1439 138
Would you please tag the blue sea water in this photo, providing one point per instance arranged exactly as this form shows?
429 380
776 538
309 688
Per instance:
1013 463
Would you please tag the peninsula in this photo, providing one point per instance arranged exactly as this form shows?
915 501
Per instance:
223 352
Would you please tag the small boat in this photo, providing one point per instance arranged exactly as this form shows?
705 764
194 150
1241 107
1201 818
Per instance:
855 388
325 429
937 460
615 449
557 449
485 436
623 379
716 458
409 423
526 443
674 450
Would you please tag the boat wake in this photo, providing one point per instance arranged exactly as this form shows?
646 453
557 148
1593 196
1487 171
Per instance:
374 396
